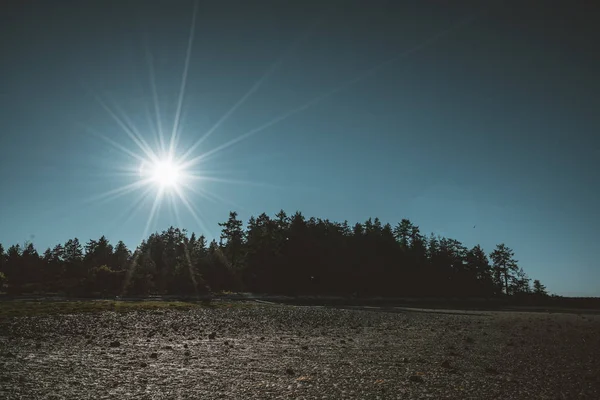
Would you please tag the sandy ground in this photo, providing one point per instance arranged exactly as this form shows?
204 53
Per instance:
264 351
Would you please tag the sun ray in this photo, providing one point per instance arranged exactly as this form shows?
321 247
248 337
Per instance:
169 174
157 202
211 172
233 181
119 146
200 193
124 217
132 210
141 142
134 261
345 85
132 135
137 139
254 88
225 116
118 192
214 197
192 177
150 62
242 162
188 54
110 141
118 173
130 270
246 135
192 211
186 253
175 209
153 129
220 167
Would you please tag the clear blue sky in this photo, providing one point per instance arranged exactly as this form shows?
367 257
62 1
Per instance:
491 123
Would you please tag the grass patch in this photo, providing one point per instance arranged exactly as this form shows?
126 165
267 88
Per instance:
32 308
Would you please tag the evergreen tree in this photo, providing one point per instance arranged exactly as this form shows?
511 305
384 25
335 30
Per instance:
120 257
2 266
2 258
505 267
232 238
98 252
280 254
539 289
479 265
73 262
520 283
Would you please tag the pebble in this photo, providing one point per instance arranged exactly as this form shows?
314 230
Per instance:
491 370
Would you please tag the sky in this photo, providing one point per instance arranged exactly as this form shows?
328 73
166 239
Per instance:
476 120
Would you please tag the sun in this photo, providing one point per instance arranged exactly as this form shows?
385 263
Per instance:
165 173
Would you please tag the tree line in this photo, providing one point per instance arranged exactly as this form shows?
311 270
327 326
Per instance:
289 255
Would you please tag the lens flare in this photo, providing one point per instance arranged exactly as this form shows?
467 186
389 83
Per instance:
165 173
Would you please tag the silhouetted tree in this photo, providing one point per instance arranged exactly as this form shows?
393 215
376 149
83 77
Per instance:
14 270
73 260
120 257
402 232
294 256
479 265
32 267
262 254
280 254
505 267
539 289
232 238
140 278
98 252
2 258
102 279
55 267
2 268
219 274
520 283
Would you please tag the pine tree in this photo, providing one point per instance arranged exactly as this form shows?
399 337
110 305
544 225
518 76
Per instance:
539 289
505 266
232 238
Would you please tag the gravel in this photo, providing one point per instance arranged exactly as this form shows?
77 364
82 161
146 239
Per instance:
335 354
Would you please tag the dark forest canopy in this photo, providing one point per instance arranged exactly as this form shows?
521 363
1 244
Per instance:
279 255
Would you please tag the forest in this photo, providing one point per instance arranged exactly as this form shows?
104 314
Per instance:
291 255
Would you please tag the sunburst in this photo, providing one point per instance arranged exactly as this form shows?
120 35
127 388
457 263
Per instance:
171 172
164 172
